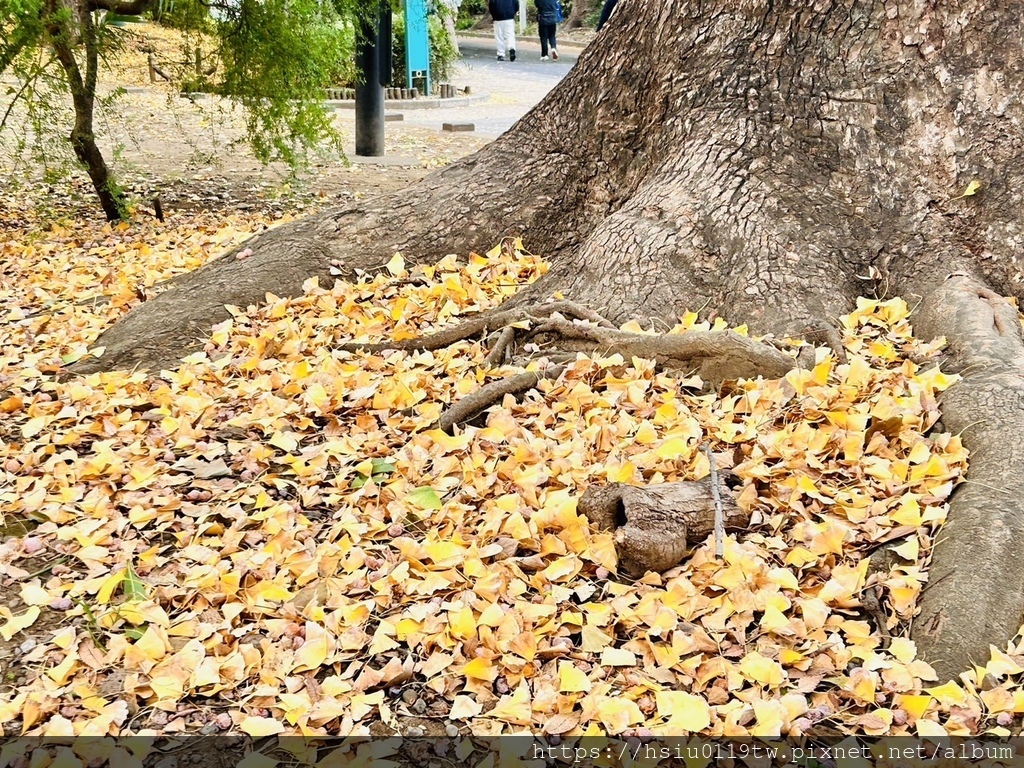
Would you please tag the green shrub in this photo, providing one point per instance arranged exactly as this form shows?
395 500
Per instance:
442 53
191 15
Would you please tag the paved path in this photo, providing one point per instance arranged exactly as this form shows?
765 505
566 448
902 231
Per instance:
515 87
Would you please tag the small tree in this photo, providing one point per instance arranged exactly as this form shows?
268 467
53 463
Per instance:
277 57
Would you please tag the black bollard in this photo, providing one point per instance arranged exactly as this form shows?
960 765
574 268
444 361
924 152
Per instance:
371 46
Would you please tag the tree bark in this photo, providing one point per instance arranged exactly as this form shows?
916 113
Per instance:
770 163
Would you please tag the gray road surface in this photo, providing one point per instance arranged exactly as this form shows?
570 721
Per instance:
515 87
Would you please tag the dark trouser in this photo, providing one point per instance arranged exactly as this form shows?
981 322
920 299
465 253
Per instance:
547 37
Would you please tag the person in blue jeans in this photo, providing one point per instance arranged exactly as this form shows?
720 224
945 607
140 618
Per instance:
548 17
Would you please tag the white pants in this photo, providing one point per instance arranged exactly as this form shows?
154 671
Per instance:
505 36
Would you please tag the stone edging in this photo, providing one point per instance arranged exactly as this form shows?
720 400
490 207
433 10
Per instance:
426 103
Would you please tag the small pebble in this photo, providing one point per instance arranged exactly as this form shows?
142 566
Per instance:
30 545
61 604
452 730
414 732
801 724
27 646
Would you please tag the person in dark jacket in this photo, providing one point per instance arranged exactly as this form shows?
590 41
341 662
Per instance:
606 13
504 14
548 16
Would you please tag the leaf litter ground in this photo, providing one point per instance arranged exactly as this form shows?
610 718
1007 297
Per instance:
271 539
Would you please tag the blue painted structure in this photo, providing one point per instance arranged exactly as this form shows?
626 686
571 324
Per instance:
417 44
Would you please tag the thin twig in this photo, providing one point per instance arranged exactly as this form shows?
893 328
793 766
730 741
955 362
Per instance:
719 517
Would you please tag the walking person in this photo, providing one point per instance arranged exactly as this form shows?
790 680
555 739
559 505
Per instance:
606 13
549 13
504 14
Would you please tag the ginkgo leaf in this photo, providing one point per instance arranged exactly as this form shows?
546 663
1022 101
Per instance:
515 708
481 669
286 441
618 713
971 189
33 427
425 498
133 586
759 669
396 266
258 727
930 729
464 708
617 657
948 694
17 622
571 679
685 712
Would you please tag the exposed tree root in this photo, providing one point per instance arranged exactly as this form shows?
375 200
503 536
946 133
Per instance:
471 406
821 332
975 595
655 525
482 324
715 356
501 350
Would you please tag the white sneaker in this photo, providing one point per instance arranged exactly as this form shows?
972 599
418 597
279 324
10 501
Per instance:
543 58
554 55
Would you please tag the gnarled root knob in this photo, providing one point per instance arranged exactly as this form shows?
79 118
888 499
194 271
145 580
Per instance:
655 524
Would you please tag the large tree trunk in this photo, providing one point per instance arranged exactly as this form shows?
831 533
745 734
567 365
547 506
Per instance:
767 159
